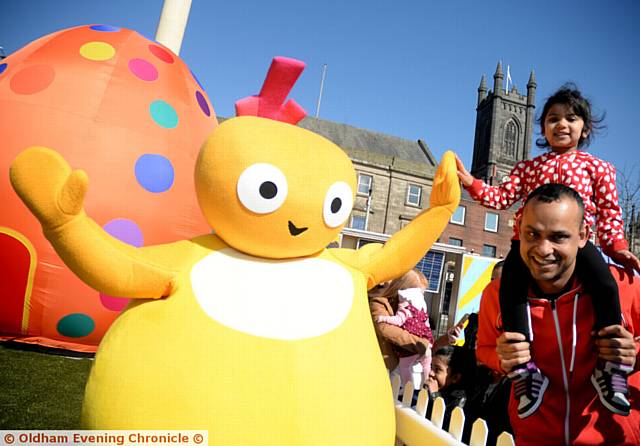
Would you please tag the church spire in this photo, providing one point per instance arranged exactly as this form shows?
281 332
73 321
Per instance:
482 89
497 80
531 89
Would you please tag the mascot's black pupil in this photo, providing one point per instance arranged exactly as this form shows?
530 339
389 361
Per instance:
336 204
268 190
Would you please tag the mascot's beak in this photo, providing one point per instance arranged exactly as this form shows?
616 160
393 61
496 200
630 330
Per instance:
293 230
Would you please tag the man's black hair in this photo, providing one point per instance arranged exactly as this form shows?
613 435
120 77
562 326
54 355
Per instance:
548 193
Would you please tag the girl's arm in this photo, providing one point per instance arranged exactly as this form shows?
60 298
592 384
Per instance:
502 196
400 317
609 224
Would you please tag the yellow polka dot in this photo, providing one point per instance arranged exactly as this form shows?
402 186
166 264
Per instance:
97 51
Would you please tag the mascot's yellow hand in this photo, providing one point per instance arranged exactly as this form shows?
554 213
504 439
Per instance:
47 185
446 186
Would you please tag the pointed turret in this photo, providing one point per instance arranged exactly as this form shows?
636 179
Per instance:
531 89
497 80
482 89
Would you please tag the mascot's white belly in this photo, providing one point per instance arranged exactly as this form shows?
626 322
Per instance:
276 299
257 352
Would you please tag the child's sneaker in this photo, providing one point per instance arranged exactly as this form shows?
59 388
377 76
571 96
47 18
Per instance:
610 380
529 385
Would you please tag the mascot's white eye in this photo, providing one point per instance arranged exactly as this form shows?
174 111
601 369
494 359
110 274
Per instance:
337 204
262 188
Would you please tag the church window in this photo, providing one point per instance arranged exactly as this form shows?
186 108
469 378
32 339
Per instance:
510 139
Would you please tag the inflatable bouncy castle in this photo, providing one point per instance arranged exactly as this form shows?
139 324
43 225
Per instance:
132 114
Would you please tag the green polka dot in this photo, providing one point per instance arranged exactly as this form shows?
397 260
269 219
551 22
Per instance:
163 114
76 325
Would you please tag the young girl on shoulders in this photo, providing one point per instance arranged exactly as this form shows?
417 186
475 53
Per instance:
566 125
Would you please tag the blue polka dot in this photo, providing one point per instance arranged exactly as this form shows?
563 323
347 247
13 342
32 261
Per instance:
163 114
154 173
3 66
196 78
105 28
76 325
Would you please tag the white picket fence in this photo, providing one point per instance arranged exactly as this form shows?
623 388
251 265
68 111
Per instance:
414 429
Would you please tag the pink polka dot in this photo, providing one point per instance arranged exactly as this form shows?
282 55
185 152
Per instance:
114 303
161 53
143 70
32 79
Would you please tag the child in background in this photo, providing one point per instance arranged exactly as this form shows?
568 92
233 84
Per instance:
412 316
396 343
567 126
452 378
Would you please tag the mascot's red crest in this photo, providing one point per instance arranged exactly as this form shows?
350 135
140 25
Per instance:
282 75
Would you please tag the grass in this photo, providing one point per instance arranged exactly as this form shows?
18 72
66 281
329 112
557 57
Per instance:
40 390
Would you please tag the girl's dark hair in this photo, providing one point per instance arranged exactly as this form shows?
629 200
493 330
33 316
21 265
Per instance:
570 96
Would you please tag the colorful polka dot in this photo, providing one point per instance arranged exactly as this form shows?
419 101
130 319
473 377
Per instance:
161 53
126 231
143 70
114 303
98 51
105 28
3 66
32 79
154 172
75 325
163 114
202 102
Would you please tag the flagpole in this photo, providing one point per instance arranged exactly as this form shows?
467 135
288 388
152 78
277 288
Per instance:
324 73
173 21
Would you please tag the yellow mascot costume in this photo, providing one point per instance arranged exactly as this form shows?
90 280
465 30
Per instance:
255 332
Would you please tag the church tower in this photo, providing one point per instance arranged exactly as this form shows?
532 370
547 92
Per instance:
504 128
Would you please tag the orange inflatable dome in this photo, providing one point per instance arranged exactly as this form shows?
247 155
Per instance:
129 112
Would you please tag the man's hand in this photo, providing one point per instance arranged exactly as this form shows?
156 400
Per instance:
512 350
616 344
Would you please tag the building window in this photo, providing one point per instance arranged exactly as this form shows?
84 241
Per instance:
431 266
491 222
510 139
364 183
458 215
414 194
455 241
358 222
488 250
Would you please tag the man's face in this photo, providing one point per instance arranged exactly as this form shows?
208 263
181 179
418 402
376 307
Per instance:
550 236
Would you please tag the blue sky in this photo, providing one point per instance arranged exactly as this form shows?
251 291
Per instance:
409 68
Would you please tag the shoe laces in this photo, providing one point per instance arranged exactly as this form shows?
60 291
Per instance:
529 384
618 382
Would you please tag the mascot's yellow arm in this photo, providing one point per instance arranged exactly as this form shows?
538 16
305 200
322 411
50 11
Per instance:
55 193
406 247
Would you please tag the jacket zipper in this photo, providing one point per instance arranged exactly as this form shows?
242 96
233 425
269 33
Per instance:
565 380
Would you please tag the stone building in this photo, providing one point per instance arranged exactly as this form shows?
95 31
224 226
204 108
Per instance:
503 137
394 175
504 128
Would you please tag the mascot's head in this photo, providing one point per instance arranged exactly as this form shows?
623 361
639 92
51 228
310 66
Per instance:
267 187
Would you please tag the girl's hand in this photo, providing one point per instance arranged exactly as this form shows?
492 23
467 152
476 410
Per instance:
431 385
463 174
626 258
